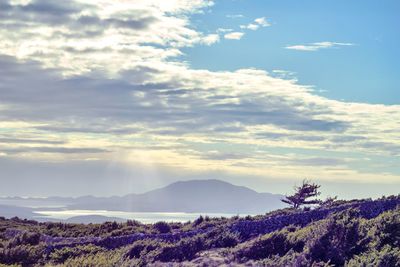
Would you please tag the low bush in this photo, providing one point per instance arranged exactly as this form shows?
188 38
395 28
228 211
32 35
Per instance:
63 254
162 227
264 247
386 257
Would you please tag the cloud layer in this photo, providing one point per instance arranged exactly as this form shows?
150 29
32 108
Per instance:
83 36
102 81
317 46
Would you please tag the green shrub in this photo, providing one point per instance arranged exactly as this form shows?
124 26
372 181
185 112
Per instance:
101 259
25 255
386 229
292 259
221 238
63 254
162 227
339 240
141 248
185 249
387 257
264 247
198 221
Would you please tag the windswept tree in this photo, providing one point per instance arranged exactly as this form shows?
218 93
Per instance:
305 194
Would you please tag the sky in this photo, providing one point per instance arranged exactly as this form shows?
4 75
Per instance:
115 97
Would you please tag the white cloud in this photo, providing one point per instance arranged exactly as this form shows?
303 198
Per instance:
77 36
259 22
210 39
262 22
235 16
105 78
250 26
317 46
224 30
234 35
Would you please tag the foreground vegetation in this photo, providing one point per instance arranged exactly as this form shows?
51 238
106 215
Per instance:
338 233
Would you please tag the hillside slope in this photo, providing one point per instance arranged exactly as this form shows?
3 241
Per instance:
352 233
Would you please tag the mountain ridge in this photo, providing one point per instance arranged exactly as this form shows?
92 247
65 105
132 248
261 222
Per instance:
213 196
204 196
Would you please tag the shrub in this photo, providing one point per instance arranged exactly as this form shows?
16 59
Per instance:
101 259
63 254
198 221
221 238
26 255
162 227
142 247
264 247
133 223
386 229
185 249
25 238
292 259
338 240
387 257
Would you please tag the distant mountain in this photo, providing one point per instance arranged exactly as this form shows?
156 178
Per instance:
203 196
196 196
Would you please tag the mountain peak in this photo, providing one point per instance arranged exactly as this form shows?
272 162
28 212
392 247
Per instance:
207 185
